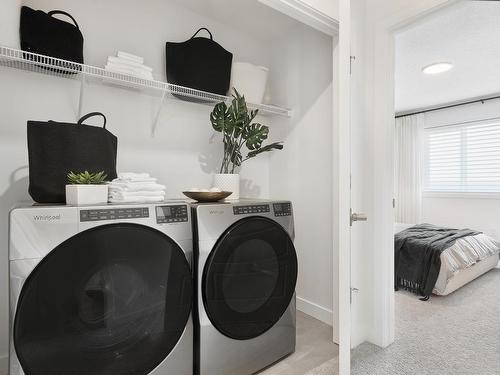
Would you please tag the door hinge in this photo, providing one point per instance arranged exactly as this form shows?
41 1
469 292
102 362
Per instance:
352 59
353 290
393 202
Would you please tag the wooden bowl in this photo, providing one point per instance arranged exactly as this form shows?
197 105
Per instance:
207 196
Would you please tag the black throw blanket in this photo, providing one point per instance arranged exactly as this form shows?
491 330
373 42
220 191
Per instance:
417 252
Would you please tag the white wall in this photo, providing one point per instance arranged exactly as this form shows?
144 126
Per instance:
475 211
183 153
303 170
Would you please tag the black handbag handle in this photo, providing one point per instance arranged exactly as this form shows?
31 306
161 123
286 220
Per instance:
203 28
52 12
92 114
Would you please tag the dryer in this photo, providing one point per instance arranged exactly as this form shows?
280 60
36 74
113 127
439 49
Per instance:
245 269
101 290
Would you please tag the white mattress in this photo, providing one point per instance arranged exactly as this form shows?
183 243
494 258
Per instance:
468 258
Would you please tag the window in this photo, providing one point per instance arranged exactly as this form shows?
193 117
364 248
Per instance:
463 158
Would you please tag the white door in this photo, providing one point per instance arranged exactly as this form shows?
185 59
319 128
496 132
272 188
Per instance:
342 196
354 186
360 182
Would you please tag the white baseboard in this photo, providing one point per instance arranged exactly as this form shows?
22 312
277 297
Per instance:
315 310
4 364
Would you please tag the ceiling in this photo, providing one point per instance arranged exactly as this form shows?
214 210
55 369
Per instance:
466 34
250 16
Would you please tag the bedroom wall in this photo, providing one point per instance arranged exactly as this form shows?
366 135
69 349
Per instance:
476 211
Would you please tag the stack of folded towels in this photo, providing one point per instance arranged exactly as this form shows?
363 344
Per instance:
126 63
135 188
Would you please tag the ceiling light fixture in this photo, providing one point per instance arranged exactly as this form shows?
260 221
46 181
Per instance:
437 68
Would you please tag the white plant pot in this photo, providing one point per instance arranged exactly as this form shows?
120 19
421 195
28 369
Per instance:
228 182
249 80
82 195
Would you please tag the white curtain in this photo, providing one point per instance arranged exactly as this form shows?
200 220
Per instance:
409 168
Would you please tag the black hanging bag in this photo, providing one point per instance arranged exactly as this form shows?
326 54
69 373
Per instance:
56 148
199 63
46 35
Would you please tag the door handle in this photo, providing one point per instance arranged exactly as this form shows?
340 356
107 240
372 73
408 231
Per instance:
357 217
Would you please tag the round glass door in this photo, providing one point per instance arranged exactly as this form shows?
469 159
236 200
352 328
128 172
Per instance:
111 300
249 278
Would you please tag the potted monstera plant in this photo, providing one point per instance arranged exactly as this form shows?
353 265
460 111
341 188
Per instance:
239 131
86 188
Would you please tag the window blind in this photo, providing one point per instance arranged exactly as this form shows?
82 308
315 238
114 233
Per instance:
463 158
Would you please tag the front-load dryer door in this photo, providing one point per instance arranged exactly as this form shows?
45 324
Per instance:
111 300
249 278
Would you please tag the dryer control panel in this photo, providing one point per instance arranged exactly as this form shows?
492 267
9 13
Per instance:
171 214
251 209
282 209
113 213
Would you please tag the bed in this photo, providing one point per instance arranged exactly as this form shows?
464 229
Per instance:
468 258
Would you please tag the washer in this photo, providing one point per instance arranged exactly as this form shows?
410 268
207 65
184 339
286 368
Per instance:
245 270
101 290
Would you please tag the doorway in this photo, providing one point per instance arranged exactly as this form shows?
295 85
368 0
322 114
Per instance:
407 308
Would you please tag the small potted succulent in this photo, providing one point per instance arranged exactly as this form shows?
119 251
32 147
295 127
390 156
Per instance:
86 188
235 122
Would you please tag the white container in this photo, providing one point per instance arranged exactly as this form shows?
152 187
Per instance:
249 80
86 194
10 14
228 182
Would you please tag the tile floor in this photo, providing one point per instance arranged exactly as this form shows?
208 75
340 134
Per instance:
314 347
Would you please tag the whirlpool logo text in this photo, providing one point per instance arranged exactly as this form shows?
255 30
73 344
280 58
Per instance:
46 217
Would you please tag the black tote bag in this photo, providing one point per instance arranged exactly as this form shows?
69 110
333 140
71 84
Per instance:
45 35
56 148
199 63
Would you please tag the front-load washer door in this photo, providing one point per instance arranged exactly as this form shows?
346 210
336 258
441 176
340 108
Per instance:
111 300
249 278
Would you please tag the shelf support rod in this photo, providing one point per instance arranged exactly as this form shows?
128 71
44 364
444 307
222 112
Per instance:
158 113
80 99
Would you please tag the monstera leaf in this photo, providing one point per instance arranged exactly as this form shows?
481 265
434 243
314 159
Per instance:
236 159
267 148
254 135
236 123
239 113
221 119
233 154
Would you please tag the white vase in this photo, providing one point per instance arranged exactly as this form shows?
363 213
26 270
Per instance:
249 80
228 182
10 14
82 195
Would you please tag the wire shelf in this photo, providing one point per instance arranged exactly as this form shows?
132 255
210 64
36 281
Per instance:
33 62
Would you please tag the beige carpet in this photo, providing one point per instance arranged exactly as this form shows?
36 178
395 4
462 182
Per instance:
454 335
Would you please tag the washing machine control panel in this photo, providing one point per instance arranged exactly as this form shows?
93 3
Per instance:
113 213
282 209
251 209
171 214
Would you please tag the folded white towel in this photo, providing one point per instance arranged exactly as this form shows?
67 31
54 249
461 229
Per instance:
132 175
126 66
136 186
150 180
128 63
137 199
129 56
144 193
128 71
